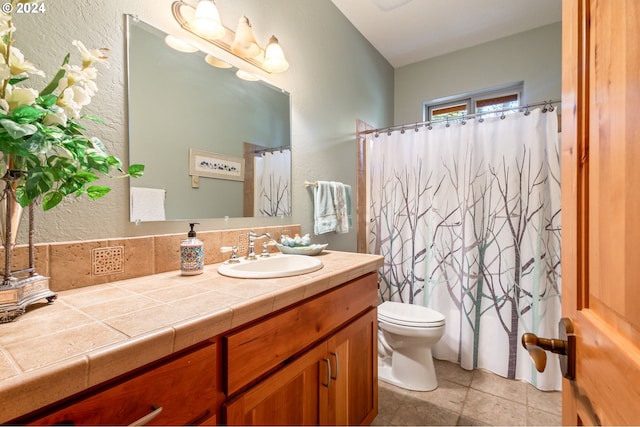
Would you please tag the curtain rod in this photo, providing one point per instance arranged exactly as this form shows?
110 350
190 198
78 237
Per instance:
547 106
272 149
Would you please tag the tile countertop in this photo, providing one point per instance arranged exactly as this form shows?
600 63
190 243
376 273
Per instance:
92 334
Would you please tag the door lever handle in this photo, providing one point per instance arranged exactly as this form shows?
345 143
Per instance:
565 347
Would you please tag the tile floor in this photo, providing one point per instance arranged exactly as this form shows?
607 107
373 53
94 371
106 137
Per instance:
468 398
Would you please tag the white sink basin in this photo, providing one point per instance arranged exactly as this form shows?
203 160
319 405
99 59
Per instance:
280 265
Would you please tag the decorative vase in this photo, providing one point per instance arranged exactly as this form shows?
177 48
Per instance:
10 210
19 288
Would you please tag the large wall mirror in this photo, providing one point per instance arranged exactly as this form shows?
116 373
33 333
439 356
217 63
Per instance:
213 145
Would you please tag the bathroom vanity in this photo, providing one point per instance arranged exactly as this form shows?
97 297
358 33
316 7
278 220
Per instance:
293 350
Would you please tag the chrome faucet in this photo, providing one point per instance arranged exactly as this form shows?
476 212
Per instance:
234 259
251 255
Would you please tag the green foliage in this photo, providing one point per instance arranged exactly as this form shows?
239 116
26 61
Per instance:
57 161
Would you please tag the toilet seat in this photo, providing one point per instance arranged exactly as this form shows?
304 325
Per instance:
410 315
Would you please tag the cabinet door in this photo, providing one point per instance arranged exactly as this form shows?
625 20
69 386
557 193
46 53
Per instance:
287 397
184 387
352 398
253 351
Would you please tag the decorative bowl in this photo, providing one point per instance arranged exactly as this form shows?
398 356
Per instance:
302 250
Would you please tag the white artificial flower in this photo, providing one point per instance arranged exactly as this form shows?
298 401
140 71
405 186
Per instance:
4 106
89 56
76 76
5 24
19 65
57 118
17 96
72 99
5 72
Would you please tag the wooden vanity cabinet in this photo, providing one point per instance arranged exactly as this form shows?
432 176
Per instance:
332 381
314 362
179 391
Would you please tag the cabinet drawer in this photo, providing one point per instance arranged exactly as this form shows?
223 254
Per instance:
252 351
184 387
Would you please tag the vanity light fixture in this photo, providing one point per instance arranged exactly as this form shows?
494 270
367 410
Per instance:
180 45
274 60
206 21
242 43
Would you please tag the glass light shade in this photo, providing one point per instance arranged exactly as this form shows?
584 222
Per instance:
206 21
244 43
246 76
212 60
179 45
274 60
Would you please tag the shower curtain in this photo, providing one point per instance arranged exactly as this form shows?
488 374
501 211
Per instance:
467 217
272 189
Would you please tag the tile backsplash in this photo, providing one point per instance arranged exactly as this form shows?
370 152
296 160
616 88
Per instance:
73 265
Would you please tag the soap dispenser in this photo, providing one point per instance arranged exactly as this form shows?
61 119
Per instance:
192 254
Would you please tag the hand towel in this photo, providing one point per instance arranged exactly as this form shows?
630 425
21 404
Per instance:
347 191
147 204
332 207
324 214
340 207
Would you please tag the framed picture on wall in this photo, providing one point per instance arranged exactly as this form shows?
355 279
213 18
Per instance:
215 165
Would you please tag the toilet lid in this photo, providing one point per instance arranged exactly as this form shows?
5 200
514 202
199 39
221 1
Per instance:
409 315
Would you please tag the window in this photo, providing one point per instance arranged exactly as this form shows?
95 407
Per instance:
484 101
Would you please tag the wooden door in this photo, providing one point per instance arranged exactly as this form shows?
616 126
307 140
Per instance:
287 397
601 208
352 395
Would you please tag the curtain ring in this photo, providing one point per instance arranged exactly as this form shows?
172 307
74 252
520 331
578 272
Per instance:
502 116
480 119
551 107
545 109
447 124
429 126
416 129
389 132
376 134
402 130
526 111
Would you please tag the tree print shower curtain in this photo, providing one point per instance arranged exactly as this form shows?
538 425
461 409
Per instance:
272 191
467 217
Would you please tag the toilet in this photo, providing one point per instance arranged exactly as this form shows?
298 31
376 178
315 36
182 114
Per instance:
406 333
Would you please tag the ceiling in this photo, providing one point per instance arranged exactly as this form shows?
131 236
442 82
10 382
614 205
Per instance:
408 31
